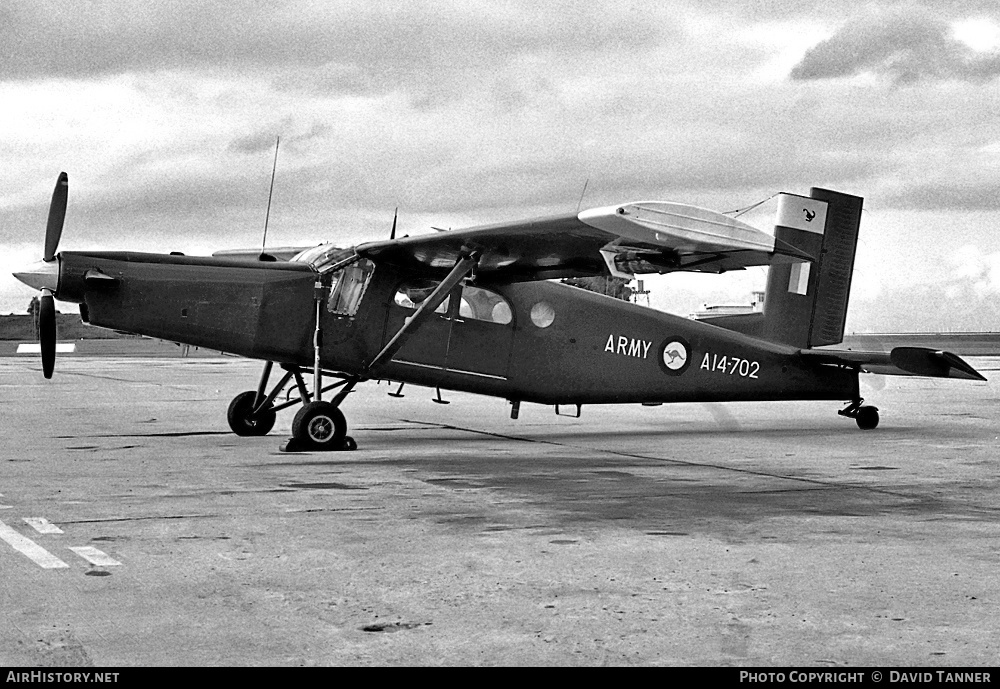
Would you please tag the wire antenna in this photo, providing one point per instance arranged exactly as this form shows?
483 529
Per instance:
582 194
267 215
740 211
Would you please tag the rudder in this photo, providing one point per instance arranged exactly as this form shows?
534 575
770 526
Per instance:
805 304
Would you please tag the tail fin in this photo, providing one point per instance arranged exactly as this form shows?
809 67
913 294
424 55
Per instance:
806 303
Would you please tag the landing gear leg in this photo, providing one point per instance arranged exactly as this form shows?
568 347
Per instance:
865 417
318 425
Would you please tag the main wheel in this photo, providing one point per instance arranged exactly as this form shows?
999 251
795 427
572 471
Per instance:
320 426
242 419
867 418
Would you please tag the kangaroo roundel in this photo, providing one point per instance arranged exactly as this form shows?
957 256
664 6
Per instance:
675 356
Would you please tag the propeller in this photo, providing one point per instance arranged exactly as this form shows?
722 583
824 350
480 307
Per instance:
44 275
57 214
47 306
47 332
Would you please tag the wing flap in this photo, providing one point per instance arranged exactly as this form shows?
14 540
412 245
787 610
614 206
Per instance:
901 361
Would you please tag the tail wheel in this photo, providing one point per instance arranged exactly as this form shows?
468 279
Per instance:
242 419
320 426
867 418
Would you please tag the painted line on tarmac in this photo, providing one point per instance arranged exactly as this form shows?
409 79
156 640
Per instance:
42 525
95 556
27 547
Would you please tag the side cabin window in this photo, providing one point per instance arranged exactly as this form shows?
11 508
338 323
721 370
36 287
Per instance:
348 286
484 305
475 303
410 295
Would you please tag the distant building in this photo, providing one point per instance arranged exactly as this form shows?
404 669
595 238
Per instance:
640 292
755 306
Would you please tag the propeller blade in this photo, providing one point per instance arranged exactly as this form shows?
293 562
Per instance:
57 214
47 331
395 214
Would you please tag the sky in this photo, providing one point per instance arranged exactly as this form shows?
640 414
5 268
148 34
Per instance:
165 117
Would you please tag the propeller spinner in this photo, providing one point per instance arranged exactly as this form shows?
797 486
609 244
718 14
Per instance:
44 275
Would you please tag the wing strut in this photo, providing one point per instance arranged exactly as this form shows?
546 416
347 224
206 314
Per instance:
463 267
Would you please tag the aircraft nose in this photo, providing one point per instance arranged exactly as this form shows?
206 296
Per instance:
40 275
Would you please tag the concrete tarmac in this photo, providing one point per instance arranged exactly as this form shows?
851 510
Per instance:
137 530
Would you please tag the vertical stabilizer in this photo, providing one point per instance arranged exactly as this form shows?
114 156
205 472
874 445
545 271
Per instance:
806 303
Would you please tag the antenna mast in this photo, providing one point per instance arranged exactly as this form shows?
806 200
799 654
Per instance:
267 216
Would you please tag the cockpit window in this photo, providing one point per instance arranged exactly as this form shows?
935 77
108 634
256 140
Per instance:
347 287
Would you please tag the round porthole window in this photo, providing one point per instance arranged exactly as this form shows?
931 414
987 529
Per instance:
542 314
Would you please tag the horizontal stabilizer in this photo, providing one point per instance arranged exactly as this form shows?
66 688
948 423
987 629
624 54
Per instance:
934 363
901 361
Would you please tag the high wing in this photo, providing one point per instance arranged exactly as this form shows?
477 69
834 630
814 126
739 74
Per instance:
901 361
622 240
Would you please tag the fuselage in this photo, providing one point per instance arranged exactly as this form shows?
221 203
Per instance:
529 341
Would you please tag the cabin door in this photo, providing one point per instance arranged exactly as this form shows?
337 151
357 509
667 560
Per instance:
471 332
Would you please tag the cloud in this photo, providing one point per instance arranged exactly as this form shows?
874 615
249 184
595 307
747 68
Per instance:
165 115
962 298
946 194
354 46
975 272
908 45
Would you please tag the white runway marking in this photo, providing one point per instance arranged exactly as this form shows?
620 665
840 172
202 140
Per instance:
35 348
39 555
42 525
95 556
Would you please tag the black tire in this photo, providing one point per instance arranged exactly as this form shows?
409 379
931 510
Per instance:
867 418
320 426
350 444
243 421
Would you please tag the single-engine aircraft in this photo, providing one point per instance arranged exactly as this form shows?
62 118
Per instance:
477 310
